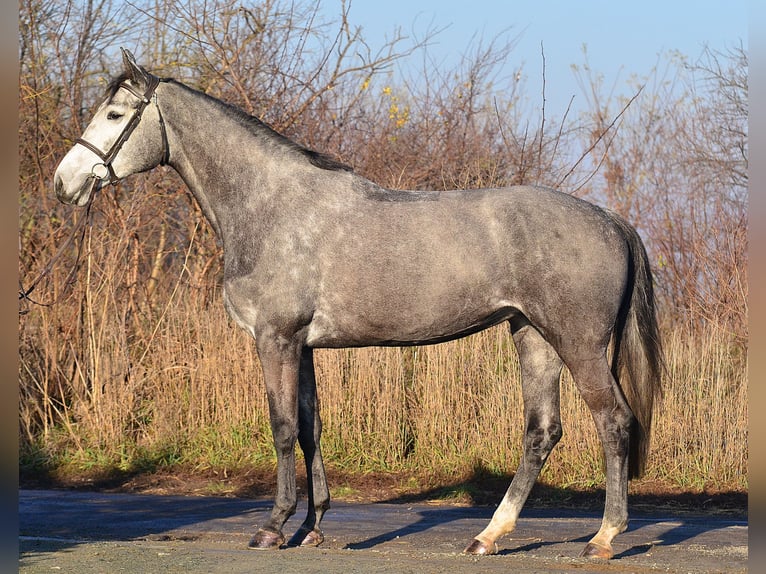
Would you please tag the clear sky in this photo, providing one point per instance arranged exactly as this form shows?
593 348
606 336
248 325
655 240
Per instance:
623 38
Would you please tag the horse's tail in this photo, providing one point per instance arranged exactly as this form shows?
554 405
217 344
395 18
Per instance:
637 361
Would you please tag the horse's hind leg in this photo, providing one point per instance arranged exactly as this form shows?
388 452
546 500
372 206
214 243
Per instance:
540 376
309 433
614 421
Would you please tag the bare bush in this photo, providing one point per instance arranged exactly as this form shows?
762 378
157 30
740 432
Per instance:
136 360
677 169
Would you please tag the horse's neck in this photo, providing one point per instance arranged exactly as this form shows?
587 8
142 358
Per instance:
217 157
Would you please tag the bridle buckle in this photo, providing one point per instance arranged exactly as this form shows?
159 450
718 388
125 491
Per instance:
103 169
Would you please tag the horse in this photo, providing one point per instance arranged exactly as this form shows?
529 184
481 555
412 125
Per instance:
317 256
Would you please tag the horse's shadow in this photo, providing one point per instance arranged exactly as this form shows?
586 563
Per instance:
428 519
682 530
633 551
684 526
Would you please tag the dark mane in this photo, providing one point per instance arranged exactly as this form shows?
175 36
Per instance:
261 129
257 126
114 84
316 158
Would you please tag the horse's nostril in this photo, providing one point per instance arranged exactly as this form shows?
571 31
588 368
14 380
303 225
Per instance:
60 190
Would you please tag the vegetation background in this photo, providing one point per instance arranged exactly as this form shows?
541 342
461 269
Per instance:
128 363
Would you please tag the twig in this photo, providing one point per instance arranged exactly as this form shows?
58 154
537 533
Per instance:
598 140
542 116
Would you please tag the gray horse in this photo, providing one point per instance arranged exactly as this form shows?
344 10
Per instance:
318 256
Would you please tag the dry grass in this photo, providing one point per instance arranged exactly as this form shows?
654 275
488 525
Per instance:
189 391
138 368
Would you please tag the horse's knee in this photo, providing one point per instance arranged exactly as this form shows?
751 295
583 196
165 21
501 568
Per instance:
284 445
284 433
540 438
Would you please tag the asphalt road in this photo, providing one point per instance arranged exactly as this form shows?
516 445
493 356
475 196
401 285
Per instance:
86 532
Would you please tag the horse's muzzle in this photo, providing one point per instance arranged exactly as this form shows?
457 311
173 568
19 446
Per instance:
81 195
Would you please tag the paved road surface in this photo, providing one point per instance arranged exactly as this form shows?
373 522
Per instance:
83 532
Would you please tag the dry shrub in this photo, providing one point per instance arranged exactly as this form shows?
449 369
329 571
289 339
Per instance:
136 366
195 397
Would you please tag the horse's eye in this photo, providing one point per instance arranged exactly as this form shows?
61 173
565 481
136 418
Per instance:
113 116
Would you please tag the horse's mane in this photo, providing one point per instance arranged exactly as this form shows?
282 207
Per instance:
261 129
257 126
114 84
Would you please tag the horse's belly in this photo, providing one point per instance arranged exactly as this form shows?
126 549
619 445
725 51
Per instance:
390 326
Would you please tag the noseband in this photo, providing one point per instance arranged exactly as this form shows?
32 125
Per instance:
105 169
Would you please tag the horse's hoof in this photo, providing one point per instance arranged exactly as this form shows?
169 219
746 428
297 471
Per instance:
479 548
307 538
266 540
597 551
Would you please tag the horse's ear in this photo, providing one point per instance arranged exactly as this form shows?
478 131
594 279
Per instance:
134 71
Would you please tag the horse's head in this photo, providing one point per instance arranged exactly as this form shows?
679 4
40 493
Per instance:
126 136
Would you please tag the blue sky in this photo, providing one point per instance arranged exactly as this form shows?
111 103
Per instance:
623 38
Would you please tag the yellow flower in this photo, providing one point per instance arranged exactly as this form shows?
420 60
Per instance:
400 115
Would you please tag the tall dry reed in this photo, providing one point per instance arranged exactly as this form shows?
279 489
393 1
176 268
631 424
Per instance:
137 366
192 394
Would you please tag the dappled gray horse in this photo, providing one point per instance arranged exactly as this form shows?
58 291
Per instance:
317 256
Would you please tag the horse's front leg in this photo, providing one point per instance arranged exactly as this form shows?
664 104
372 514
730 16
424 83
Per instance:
309 434
280 363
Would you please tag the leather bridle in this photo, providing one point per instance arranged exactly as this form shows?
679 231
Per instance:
107 173
105 169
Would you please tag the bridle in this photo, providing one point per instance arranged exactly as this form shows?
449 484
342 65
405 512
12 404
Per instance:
104 170
99 173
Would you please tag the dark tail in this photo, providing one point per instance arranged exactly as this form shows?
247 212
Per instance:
637 361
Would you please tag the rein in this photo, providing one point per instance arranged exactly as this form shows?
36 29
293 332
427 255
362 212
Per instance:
79 228
105 169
